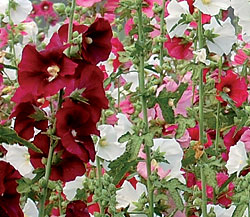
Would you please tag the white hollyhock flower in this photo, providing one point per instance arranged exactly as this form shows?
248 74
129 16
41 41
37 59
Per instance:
175 10
211 7
30 209
132 77
18 156
201 56
127 195
108 147
173 154
222 44
19 12
242 10
237 158
31 30
71 187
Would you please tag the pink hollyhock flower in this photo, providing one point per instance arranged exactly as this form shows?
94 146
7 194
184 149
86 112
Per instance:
54 70
224 199
209 190
87 3
234 86
94 207
127 107
75 123
241 56
9 197
77 208
184 140
45 9
24 124
184 102
177 49
149 9
190 178
129 25
3 37
230 139
245 138
109 8
96 39
65 166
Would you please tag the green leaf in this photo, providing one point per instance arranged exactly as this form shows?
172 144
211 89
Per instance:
148 139
107 82
210 176
177 198
77 95
10 136
24 185
124 163
230 179
239 211
38 115
189 157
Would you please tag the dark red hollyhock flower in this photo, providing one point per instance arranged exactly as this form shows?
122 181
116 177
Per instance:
96 40
90 77
24 124
77 208
234 86
9 197
65 166
75 123
177 49
46 72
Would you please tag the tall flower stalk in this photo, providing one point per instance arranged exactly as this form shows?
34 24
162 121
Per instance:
201 118
141 77
162 29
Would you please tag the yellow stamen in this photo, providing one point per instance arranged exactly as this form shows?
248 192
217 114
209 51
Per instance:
206 2
103 142
53 71
226 89
88 40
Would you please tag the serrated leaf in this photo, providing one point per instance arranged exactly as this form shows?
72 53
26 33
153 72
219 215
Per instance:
210 176
189 157
10 136
123 164
124 138
148 139
239 211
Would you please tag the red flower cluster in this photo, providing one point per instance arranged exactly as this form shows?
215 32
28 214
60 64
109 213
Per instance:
9 197
43 74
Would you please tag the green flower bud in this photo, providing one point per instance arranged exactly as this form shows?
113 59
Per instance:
59 8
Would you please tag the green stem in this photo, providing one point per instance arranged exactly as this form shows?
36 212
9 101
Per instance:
70 30
201 117
204 196
144 109
47 174
162 28
218 113
99 174
12 37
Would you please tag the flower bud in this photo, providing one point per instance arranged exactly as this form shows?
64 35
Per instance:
59 8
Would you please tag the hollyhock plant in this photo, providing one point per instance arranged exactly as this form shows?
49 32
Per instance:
234 86
87 3
9 197
3 37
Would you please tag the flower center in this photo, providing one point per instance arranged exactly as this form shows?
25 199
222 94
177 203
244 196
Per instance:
73 132
45 7
88 40
226 89
206 2
53 71
41 100
103 142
